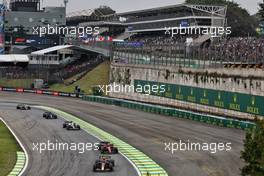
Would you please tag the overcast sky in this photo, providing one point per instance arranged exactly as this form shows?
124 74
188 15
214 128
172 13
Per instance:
129 5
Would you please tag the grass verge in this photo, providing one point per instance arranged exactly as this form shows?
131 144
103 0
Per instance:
98 76
8 149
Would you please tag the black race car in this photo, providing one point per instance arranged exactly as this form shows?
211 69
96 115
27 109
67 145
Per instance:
71 126
49 115
66 123
104 164
23 107
107 148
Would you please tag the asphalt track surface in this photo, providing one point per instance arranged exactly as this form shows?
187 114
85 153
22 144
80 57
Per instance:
148 132
32 128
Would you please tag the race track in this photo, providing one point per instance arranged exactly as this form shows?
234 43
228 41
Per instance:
31 128
145 131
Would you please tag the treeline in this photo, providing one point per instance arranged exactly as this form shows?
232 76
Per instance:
238 18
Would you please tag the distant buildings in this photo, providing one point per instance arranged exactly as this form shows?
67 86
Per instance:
20 19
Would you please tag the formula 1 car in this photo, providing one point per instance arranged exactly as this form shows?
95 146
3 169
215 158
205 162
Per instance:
104 164
23 107
49 115
102 143
66 123
71 126
107 148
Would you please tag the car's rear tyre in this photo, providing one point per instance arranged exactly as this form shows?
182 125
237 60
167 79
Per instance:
95 168
111 169
116 151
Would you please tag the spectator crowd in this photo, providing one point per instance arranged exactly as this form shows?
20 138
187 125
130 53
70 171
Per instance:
239 49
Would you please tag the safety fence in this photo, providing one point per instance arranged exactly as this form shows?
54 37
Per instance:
205 118
165 52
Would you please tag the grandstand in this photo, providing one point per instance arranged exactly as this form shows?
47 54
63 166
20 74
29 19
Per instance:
158 19
99 14
149 26
155 19
14 60
139 37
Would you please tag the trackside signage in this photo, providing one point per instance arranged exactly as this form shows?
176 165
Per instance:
246 103
40 92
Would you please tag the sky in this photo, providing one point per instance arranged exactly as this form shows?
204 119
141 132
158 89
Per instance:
130 5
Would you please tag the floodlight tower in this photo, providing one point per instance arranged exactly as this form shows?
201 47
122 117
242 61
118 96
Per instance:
65 3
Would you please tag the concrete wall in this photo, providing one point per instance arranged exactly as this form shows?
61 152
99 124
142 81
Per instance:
248 81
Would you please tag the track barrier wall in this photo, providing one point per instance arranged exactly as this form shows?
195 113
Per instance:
246 103
205 118
173 112
40 92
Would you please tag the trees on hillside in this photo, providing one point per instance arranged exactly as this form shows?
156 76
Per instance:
261 11
253 153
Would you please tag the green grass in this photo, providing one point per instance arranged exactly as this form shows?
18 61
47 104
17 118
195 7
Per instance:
8 149
98 76
74 77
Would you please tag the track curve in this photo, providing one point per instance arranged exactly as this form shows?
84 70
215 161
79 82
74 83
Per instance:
148 132
32 129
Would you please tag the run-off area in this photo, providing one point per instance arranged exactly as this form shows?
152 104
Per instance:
31 127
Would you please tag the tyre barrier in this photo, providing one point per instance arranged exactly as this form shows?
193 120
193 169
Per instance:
173 112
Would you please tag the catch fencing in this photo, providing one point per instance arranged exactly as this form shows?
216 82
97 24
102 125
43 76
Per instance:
185 56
